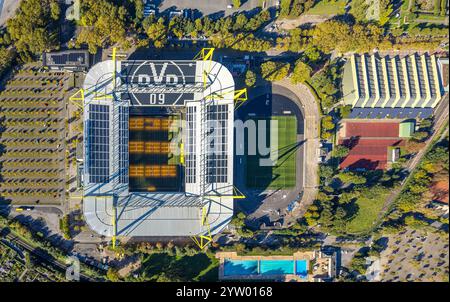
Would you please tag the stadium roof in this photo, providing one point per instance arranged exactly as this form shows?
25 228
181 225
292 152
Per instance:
106 187
392 83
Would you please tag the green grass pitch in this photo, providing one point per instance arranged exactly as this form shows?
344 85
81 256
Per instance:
283 174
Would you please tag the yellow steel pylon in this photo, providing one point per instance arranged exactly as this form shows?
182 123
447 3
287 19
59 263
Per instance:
203 240
240 96
182 153
205 54
102 96
115 67
74 98
237 194
114 227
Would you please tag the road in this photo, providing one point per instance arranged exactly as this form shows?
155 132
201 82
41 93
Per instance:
7 9
208 8
43 256
441 117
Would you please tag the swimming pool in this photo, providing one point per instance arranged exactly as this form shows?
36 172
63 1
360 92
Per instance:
301 268
240 267
265 267
276 267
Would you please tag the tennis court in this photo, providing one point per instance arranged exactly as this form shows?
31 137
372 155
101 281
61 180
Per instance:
283 174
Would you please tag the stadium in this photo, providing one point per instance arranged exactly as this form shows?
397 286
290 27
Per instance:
158 147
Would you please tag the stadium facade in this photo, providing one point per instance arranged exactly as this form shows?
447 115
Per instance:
392 86
158 148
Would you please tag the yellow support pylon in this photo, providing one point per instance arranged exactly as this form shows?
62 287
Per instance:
74 98
205 54
240 96
102 97
114 228
115 67
237 194
203 240
182 153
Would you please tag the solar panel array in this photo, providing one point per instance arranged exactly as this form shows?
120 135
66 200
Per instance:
190 144
217 157
98 143
391 112
123 144
68 58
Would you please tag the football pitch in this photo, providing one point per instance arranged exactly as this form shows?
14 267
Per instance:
153 166
283 174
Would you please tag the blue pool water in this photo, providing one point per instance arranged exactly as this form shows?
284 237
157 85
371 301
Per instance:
266 267
276 267
240 267
301 268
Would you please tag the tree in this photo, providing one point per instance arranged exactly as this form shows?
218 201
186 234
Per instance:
358 9
327 123
34 29
341 151
157 32
386 10
302 73
102 23
65 227
274 71
420 136
352 178
6 59
344 111
237 3
112 275
250 78
55 10
285 7
348 197
325 171
326 216
339 220
312 53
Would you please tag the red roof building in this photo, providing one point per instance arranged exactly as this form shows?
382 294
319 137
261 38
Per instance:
370 143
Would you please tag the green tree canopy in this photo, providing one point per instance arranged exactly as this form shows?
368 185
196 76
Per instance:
274 71
250 78
358 9
302 73
341 151
102 23
34 28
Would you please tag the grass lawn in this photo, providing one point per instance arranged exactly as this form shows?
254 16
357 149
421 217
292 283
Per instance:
199 267
328 7
369 207
282 175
